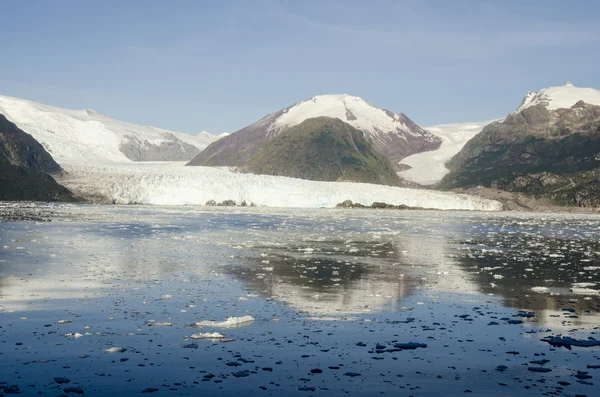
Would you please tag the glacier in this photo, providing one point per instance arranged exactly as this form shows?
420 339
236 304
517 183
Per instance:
172 183
428 168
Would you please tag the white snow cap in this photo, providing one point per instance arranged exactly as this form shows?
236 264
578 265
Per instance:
351 109
558 97
86 135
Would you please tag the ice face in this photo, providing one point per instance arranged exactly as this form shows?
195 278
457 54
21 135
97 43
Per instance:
174 184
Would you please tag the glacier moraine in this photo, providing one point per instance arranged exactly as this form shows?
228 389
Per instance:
122 300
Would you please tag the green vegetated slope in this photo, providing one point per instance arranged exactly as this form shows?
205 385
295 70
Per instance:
323 149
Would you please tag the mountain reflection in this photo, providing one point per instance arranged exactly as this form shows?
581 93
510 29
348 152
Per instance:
332 277
352 277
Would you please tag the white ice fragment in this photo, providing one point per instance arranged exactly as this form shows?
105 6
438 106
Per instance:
539 289
585 291
115 350
207 335
155 324
166 297
76 335
61 322
230 322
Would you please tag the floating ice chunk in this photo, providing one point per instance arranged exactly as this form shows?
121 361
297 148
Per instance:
207 335
166 297
585 291
61 322
115 350
230 322
498 276
153 323
583 285
539 289
76 335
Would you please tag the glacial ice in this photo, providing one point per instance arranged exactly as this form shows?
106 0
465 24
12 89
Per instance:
171 183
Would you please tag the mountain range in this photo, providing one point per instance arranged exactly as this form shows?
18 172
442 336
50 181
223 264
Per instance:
548 147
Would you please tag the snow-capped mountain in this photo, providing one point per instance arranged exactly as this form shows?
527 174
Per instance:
393 135
85 135
428 168
559 97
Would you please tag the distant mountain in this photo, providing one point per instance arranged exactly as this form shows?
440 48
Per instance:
86 135
211 137
393 135
542 149
323 149
25 167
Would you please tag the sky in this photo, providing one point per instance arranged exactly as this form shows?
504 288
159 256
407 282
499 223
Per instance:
221 65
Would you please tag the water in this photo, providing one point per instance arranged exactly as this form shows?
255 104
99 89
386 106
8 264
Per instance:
332 293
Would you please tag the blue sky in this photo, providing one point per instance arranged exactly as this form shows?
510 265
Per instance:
221 65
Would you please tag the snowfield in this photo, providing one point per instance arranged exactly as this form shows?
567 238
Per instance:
171 183
564 96
428 168
86 135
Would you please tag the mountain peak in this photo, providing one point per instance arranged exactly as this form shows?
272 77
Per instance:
557 97
393 134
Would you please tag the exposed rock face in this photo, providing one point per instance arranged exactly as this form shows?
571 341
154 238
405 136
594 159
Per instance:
393 135
24 168
323 149
546 153
20 149
172 149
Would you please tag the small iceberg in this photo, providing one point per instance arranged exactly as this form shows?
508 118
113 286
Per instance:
231 322
207 335
115 350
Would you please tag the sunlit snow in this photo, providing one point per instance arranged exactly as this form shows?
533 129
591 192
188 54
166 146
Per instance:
86 135
171 183
563 96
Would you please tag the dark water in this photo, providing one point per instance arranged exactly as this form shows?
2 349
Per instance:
334 296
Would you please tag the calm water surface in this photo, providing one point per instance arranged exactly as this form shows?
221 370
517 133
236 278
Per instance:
335 296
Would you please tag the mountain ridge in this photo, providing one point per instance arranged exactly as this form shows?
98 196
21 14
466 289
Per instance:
87 135
393 135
